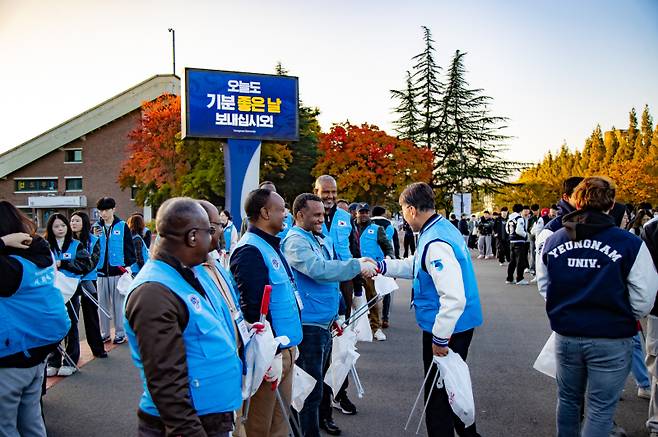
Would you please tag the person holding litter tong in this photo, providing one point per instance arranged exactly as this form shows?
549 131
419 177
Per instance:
256 262
445 297
317 272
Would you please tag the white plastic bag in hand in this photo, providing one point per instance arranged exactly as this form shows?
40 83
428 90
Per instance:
124 283
66 285
457 382
385 285
259 354
302 386
343 357
546 361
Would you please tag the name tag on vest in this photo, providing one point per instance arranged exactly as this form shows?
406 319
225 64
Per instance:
242 328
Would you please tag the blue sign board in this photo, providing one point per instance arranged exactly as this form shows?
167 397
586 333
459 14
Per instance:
226 104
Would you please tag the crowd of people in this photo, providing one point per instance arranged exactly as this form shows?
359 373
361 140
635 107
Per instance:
201 292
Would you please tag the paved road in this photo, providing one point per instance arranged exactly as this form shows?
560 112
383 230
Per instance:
511 398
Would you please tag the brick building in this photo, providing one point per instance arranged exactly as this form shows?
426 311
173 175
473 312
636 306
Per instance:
72 165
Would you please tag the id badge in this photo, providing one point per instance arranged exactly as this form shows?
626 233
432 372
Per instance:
242 328
299 300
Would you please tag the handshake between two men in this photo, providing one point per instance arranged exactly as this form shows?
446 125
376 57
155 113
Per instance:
368 267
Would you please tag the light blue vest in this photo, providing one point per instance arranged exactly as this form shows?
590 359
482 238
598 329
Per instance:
284 310
213 366
67 255
93 275
36 299
145 256
115 250
390 230
369 245
425 297
341 228
320 299
287 224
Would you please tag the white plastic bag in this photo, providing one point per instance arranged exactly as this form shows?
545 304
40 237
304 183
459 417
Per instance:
546 362
302 386
385 285
124 283
66 285
457 382
343 357
259 354
361 329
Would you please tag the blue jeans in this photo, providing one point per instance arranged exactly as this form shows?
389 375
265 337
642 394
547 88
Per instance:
314 352
640 372
598 368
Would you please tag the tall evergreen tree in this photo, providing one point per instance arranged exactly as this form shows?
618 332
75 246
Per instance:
632 129
611 142
646 128
428 88
469 140
597 153
408 118
653 148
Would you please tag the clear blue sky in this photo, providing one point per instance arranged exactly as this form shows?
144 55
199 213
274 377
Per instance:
555 68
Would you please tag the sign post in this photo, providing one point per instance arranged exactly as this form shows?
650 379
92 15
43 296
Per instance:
244 108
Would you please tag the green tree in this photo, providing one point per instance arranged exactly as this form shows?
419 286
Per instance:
408 117
632 129
469 141
646 133
427 88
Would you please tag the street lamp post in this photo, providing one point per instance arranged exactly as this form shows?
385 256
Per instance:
173 48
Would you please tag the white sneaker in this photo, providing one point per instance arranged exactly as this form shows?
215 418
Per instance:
533 280
644 393
480 256
52 371
66 371
523 282
489 257
379 335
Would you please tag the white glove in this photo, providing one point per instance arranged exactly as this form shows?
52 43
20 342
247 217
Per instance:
368 269
275 371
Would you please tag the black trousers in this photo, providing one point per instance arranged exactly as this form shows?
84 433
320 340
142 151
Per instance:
519 261
90 317
503 249
72 339
440 419
409 244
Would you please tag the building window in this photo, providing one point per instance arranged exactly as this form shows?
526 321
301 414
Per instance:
36 185
73 184
73 156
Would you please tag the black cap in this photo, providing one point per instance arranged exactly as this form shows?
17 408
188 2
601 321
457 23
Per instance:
353 206
363 207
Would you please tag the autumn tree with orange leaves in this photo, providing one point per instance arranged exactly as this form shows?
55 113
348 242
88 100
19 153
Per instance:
370 165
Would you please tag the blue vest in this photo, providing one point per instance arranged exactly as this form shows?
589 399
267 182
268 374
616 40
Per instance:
36 299
284 310
287 224
145 255
67 255
586 294
213 366
320 299
425 296
228 231
115 250
93 275
341 228
369 245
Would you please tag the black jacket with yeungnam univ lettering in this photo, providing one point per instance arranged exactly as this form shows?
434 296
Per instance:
601 279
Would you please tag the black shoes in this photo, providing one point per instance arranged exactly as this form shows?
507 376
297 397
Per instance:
329 426
101 355
344 405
